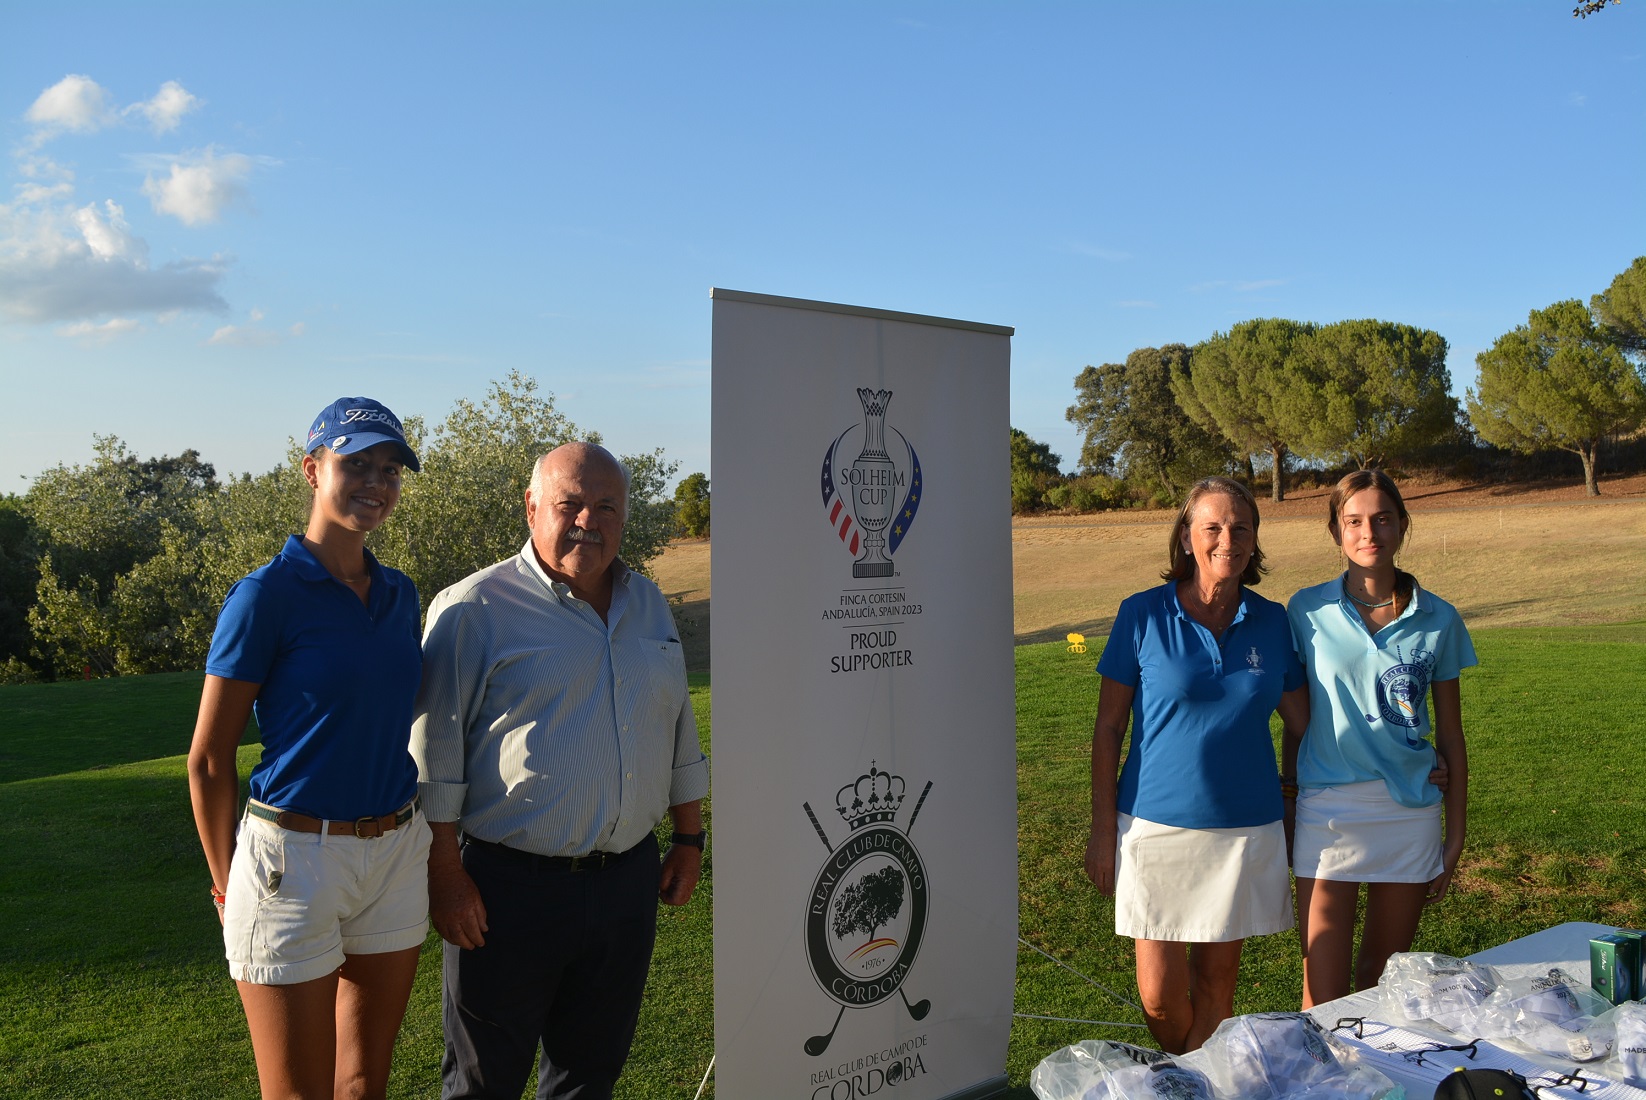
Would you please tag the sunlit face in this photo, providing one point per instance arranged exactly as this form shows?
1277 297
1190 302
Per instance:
1220 536
356 491
577 516
1369 528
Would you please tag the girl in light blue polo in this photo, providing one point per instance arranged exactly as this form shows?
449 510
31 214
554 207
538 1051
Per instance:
1379 651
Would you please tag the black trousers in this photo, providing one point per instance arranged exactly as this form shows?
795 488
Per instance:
563 968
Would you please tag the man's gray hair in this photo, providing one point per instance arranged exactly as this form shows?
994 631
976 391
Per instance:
536 485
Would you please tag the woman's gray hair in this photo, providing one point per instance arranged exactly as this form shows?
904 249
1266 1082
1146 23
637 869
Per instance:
1180 562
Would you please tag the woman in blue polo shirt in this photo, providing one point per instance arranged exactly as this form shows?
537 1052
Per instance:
322 886
1378 650
1190 840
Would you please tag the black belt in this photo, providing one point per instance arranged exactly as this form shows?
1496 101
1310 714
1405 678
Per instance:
592 861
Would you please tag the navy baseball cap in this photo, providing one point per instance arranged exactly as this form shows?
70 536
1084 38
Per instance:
352 424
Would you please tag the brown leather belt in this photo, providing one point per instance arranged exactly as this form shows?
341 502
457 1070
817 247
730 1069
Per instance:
366 828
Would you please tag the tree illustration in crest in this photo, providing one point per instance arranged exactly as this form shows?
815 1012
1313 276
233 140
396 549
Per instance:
868 903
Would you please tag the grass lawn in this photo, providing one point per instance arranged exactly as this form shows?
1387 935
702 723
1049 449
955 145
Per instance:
112 980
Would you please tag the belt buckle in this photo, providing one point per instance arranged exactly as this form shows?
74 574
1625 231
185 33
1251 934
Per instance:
591 861
374 822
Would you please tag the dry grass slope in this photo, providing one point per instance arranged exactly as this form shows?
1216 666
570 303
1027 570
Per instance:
1504 558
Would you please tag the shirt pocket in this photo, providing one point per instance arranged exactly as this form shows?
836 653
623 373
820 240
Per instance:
654 672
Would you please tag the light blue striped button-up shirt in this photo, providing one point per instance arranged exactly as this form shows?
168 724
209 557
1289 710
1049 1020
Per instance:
543 728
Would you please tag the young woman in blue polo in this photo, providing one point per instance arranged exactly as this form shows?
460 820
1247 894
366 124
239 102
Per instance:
322 884
1189 839
1379 651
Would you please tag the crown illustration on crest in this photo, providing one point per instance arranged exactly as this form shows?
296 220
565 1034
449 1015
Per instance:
874 797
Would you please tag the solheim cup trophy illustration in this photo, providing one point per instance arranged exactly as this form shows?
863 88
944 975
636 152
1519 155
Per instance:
873 480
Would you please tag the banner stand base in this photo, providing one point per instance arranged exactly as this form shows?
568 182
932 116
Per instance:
994 1086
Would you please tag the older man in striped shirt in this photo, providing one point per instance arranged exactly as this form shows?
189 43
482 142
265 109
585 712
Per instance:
554 728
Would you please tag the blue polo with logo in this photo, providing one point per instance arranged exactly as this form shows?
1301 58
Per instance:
1201 756
1369 693
338 679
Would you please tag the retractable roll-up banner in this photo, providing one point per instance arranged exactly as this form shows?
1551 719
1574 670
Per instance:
865 798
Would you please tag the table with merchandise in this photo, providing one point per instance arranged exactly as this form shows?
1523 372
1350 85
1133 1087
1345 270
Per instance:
1525 1007
1398 1049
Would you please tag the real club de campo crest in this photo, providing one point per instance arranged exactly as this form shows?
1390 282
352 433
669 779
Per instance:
871 487
866 914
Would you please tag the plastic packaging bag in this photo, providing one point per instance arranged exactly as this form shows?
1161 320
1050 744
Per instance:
1552 1013
1286 1056
1076 1072
1100 1070
1423 985
1626 1025
1167 1080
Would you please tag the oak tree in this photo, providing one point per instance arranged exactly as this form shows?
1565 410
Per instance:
691 505
1371 391
1561 381
1246 385
1621 307
1134 427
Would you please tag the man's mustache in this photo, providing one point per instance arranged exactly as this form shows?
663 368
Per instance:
581 534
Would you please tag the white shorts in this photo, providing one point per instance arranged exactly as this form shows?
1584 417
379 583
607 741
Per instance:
1200 885
1357 833
298 902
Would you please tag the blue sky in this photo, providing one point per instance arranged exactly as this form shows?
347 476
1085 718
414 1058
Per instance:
218 217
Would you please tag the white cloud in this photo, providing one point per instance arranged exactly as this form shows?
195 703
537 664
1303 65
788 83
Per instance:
167 108
1110 254
108 238
199 186
244 336
252 336
33 166
103 333
35 194
1577 99
60 263
1245 286
76 103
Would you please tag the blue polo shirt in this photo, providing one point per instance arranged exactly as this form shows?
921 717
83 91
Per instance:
1369 693
338 678
1201 755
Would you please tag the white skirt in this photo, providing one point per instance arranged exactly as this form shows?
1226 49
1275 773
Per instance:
1200 885
1357 833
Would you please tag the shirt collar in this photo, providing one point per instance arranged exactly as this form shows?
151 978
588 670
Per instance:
560 589
308 567
1420 598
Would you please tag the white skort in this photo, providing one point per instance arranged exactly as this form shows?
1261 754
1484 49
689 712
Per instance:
1200 885
1357 833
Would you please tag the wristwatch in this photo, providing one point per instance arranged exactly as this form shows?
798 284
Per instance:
690 840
